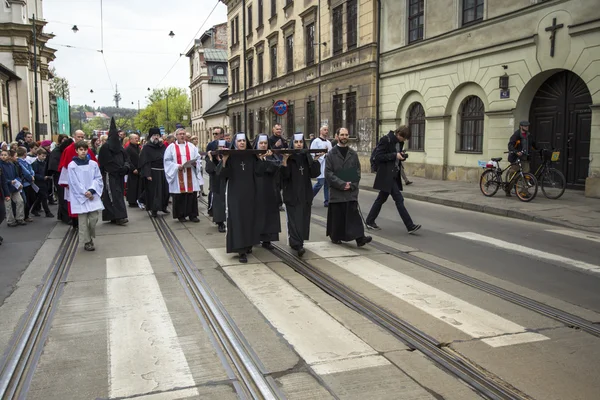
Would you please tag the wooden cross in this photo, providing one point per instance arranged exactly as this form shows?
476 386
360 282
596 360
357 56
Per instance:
243 166
301 170
553 29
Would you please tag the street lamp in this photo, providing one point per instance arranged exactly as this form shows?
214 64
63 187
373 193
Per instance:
75 29
171 35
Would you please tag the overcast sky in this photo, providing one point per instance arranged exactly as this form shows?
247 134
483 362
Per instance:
137 48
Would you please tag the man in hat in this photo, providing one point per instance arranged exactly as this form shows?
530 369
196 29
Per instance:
182 172
520 146
152 170
134 186
114 165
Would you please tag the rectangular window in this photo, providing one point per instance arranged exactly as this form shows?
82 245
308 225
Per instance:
415 20
289 53
274 61
352 24
259 21
311 122
249 20
235 127
472 11
235 79
351 114
233 31
250 68
338 37
338 111
261 121
273 8
259 66
237 29
291 120
251 125
310 44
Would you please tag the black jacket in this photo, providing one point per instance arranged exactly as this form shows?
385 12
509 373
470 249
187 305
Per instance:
334 163
516 144
385 157
40 170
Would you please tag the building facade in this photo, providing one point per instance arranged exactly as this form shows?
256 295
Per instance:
208 80
462 74
17 68
318 56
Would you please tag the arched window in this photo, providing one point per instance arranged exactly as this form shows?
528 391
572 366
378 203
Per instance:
220 70
416 123
470 132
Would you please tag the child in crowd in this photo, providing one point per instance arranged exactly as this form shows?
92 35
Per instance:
28 190
11 188
42 181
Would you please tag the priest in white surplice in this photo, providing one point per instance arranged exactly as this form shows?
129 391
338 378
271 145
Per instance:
183 177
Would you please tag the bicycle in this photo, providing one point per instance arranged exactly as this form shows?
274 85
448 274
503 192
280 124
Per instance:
551 180
491 180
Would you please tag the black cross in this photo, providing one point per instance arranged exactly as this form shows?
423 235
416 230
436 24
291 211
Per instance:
243 166
553 29
301 170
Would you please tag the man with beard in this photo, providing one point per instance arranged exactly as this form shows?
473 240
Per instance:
53 161
242 229
134 184
212 146
342 171
217 186
114 165
297 171
267 212
182 172
277 141
151 167
322 143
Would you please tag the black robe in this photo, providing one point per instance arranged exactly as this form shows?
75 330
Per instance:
242 229
267 212
298 196
156 191
114 165
53 162
134 183
217 192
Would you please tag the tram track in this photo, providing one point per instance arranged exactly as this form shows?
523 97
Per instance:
251 380
26 345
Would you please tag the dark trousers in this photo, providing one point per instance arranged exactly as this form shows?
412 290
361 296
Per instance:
30 196
398 199
41 201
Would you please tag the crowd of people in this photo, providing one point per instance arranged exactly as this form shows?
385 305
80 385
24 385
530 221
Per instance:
247 190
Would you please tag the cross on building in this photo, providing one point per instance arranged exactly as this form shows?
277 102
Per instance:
243 166
553 29
301 170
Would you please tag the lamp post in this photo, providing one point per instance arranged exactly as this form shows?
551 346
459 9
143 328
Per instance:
35 80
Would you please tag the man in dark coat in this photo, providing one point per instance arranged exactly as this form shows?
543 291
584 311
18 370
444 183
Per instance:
217 208
134 184
342 172
114 165
267 213
520 146
388 156
53 169
212 146
297 171
277 141
152 169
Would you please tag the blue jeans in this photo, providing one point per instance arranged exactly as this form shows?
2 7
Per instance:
320 183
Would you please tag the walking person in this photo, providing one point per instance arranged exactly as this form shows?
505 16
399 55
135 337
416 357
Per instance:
217 187
268 217
520 146
211 169
62 212
42 180
277 141
152 171
342 171
389 156
11 188
28 193
134 183
322 143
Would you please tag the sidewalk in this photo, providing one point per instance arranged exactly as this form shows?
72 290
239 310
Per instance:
572 210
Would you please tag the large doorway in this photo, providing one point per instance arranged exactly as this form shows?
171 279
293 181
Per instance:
561 119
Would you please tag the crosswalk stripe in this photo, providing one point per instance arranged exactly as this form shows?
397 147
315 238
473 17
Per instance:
472 320
325 344
576 234
528 251
145 354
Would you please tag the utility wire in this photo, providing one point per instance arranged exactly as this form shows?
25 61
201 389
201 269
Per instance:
111 28
106 66
101 27
109 51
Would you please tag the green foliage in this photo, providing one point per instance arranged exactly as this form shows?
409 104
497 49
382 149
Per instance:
59 86
155 114
94 124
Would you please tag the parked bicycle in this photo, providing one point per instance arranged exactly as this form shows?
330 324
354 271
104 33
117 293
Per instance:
491 180
551 180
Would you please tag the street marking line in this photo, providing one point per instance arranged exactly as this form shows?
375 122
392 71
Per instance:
323 342
225 259
144 350
328 249
576 234
472 320
553 258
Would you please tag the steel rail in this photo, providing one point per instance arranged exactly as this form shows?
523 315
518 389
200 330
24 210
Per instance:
251 372
483 382
27 343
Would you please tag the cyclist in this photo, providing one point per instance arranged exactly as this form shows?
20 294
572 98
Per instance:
520 146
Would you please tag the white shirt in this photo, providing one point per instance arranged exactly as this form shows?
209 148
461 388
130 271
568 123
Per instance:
319 143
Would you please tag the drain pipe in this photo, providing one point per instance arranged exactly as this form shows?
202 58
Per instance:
377 78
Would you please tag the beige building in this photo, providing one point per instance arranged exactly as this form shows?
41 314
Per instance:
463 74
318 56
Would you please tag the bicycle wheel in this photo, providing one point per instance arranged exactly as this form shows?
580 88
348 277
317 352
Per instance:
526 187
489 183
553 183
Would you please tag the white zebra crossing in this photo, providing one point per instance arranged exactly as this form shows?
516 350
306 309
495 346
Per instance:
576 234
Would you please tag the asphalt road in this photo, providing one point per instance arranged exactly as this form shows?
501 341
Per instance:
557 278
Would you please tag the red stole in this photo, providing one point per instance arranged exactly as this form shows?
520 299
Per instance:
190 187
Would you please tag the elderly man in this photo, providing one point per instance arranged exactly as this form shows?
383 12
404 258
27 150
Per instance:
322 143
134 184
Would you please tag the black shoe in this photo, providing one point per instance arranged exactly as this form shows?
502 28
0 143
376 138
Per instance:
89 246
21 222
336 241
166 211
408 183
210 213
249 250
301 251
360 242
243 258
154 214
268 245
222 227
35 213
194 219
49 215
373 226
325 205
122 221
204 195
413 229
281 208
182 219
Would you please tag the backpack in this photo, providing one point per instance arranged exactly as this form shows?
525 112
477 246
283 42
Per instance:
372 159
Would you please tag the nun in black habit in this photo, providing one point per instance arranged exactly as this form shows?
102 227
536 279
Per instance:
217 187
240 172
114 165
267 212
297 171
152 170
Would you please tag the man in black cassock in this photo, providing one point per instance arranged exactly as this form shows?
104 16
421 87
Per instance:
239 170
217 186
277 141
297 171
342 172
53 163
134 184
267 212
152 171
114 165
212 146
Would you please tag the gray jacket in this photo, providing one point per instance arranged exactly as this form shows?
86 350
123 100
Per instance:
335 163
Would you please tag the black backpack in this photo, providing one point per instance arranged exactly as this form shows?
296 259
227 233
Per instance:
372 159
